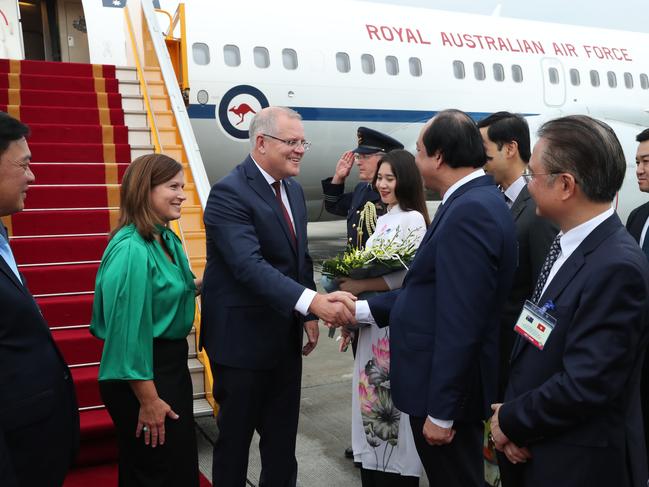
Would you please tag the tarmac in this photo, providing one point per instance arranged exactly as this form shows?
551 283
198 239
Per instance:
325 426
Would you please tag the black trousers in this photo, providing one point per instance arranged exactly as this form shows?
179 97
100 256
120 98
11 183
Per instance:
176 462
458 464
267 401
511 475
377 478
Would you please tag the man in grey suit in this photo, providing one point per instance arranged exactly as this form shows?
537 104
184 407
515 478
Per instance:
506 139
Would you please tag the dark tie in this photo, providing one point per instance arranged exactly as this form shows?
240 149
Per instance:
278 195
550 259
645 245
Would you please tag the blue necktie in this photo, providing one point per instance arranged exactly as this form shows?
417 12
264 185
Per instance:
550 259
5 253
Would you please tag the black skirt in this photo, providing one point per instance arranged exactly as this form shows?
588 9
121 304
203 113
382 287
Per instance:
176 462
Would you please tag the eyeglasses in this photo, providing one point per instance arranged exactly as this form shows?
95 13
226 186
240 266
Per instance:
293 144
528 176
364 157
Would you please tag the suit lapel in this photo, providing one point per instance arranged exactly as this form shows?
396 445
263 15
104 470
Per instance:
4 267
259 184
521 202
570 268
639 221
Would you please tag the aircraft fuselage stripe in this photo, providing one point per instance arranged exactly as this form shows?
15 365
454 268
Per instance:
320 114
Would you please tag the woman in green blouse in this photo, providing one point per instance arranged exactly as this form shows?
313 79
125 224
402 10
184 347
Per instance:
144 310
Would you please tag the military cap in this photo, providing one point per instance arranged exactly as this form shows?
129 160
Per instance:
371 141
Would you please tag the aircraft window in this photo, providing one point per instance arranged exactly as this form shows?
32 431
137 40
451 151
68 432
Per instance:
392 65
201 53
458 69
367 63
415 66
644 81
262 58
553 75
479 71
612 79
289 58
594 78
342 62
575 79
517 73
231 55
499 72
628 80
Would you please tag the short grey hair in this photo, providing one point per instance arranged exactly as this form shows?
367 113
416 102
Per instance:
265 121
589 150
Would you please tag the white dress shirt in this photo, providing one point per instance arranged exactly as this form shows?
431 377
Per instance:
572 239
514 190
304 302
643 235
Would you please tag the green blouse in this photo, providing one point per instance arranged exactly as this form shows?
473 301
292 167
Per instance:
140 295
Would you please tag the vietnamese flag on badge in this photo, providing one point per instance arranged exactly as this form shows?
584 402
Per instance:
114 3
541 327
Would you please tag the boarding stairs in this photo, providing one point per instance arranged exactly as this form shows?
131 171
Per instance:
88 122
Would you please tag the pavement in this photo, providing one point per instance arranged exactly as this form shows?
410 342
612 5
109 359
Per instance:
324 428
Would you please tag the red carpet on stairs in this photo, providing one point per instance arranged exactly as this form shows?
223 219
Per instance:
80 151
104 476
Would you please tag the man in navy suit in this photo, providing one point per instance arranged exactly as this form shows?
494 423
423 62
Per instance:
444 321
637 225
258 294
39 418
572 413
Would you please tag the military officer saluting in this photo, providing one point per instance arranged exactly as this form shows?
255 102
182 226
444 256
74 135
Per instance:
363 205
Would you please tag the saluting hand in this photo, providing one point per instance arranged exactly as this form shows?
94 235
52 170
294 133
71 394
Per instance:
343 167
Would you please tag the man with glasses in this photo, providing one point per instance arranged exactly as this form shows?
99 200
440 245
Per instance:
506 138
637 224
372 144
572 413
39 418
258 296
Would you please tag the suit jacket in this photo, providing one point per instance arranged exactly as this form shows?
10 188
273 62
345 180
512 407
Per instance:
350 205
534 236
637 219
576 403
444 320
254 274
37 399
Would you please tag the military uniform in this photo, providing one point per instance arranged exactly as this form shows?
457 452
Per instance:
351 205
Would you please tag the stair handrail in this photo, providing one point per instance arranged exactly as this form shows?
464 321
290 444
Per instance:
143 85
178 105
179 19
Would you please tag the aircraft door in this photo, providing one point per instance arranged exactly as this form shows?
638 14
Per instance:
554 82
11 43
74 37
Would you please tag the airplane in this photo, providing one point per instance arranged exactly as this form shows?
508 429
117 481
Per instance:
342 64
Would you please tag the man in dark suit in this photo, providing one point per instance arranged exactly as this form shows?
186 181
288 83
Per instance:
258 294
444 319
637 225
506 138
572 412
39 418
372 145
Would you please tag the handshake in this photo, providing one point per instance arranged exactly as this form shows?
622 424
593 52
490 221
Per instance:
335 309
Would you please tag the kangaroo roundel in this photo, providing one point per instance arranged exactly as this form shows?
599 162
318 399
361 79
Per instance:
237 108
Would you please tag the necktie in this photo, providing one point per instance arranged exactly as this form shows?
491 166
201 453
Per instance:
278 195
550 259
5 253
645 245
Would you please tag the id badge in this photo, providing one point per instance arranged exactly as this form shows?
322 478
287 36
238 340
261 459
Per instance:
535 324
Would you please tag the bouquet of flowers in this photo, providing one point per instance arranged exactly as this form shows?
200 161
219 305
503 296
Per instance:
385 256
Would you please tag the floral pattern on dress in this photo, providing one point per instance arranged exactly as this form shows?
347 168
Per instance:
380 417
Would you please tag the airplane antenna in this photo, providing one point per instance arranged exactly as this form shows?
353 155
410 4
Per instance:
497 10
